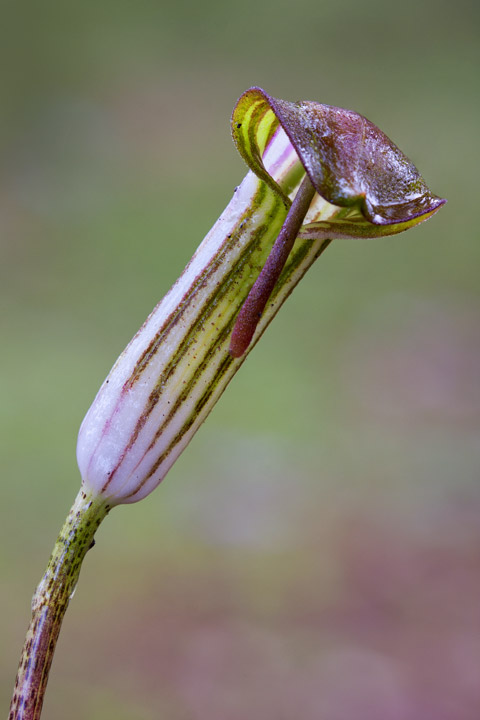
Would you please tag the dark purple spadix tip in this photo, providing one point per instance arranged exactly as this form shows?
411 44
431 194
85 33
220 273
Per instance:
253 307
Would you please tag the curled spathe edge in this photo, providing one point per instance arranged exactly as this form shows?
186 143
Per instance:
350 162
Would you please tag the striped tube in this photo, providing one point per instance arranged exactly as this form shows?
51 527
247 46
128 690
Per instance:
176 367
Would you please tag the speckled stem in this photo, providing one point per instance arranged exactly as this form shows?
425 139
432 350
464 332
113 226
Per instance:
50 602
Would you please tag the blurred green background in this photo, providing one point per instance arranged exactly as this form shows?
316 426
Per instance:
315 552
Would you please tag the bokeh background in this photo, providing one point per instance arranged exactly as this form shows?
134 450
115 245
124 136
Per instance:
315 552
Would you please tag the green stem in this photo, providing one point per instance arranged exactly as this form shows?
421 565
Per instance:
50 603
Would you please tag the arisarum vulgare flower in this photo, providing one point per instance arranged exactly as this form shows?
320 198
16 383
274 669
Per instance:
316 173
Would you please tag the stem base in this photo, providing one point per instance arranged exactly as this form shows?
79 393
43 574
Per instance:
50 603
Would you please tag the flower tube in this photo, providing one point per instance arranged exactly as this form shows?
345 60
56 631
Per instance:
316 173
176 367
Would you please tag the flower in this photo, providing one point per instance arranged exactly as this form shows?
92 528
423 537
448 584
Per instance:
176 367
